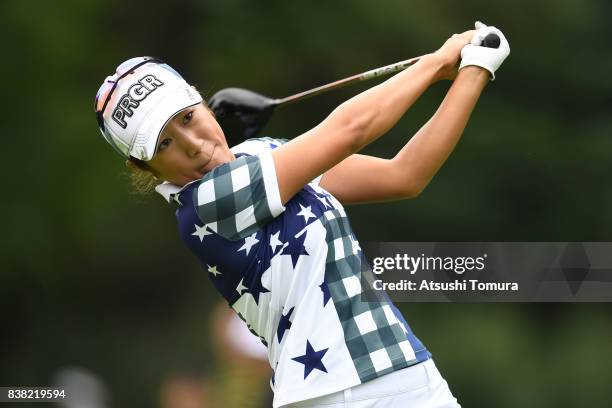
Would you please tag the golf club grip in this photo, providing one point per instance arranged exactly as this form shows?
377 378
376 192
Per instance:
491 41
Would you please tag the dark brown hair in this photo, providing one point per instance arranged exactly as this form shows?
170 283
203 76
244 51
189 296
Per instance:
141 175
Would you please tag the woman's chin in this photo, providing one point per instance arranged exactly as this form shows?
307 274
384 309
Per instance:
181 181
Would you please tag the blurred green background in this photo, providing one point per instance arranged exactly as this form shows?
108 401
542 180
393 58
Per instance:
96 277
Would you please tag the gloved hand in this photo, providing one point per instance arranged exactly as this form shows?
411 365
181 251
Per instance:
487 58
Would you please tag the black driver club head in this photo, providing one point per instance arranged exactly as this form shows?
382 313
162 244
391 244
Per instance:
241 113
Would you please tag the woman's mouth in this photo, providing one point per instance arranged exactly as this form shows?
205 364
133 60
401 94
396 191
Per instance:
203 168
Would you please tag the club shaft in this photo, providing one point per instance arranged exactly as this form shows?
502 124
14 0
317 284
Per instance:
364 76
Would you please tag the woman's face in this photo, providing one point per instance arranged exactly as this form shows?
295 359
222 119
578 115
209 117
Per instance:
191 144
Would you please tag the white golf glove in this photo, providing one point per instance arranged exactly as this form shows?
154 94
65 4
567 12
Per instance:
484 57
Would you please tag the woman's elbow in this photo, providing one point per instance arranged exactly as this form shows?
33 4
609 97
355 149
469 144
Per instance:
356 129
411 191
412 188
405 185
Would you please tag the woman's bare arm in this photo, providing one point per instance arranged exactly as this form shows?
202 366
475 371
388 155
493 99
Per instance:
350 127
361 120
361 178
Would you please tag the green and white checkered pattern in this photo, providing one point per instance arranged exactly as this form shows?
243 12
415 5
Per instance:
306 254
232 199
375 338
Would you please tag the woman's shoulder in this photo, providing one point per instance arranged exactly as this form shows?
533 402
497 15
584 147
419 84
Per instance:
257 145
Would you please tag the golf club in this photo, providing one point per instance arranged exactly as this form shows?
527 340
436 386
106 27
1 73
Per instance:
242 113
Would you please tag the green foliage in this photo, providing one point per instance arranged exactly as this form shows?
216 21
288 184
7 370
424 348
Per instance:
97 278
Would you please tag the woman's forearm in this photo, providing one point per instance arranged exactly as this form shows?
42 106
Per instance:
429 148
374 111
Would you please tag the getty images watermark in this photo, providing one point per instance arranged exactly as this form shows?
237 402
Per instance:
488 271
458 265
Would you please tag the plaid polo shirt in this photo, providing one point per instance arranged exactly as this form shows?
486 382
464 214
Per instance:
294 273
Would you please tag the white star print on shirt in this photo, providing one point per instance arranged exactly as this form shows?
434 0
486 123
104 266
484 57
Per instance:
274 241
213 270
241 288
324 201
249 242
306 213
200 232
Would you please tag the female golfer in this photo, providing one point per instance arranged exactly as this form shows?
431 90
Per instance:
265 218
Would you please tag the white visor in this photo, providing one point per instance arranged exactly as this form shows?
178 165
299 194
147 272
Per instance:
141 105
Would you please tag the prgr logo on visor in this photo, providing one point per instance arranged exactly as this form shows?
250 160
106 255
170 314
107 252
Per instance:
132 98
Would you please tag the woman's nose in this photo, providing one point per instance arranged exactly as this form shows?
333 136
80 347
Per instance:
193 144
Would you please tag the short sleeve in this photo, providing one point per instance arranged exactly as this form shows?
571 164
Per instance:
239 197
317 180
257 145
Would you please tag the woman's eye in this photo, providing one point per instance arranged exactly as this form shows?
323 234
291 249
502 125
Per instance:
164 143
187 117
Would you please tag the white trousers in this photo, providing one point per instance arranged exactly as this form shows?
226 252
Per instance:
417 386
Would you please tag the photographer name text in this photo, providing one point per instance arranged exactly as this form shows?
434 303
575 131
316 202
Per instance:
458 265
